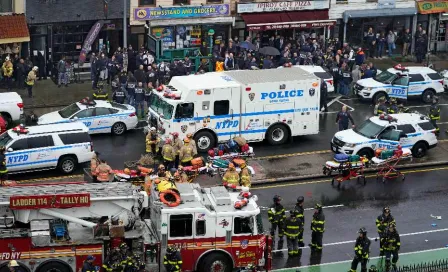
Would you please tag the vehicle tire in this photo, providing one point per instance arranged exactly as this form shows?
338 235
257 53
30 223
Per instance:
54 267
215 262
7 118
67 164
277 134
428 95
377 96
419 150
204 141
119 128
365 152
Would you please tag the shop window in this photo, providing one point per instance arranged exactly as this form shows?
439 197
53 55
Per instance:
146 2
181 225
181 2
6 6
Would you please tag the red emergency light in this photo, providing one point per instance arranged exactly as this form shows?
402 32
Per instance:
20 129
400 67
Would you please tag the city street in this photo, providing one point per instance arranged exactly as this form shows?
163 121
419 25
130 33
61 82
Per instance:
412 203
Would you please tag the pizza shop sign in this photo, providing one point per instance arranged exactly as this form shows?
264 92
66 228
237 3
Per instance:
283 6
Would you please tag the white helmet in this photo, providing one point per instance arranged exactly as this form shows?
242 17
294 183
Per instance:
13 263
35 68
152 129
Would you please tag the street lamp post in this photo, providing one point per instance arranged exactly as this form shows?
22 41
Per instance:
125 25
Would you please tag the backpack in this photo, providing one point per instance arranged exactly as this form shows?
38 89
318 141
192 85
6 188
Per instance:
211 153
341 157
245 148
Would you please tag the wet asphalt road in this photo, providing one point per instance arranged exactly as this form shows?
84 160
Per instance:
130 146
412 202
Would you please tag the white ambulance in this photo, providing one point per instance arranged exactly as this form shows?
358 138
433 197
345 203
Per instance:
273 104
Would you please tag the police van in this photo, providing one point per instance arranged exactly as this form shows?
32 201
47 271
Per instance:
56 146
410 130
273 104
401 82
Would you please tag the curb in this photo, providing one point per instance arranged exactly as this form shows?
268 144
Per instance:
318 176
46 106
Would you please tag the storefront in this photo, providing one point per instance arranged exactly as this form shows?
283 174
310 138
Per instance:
185 26
433 17
14 35
283 18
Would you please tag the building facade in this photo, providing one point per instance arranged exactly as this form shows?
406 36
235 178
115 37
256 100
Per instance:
433 16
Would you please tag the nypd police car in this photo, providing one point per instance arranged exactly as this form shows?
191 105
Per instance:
99 116
401 82
410 130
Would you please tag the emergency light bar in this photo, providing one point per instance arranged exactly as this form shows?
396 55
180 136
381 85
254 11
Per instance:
87 102
400 68
20 129
386 117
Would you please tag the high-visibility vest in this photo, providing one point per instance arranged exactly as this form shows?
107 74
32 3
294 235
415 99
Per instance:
219 67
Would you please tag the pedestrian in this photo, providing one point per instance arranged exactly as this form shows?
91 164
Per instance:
88 266
391 42
317 228
245 175
381 41
186 153
103 171
20 73
368 73
131 83
3 168
152 76
102 67
140 100
168 154
277 217
345 78
30 80
323 95
62 69
373 68
370 40
434 113
380 107
343 117
407 39
382 222
301 216
94 162
229 63
180 175
392 244
8 71
362 250
172 259
356 75
293 226
152 142
360 57
94 70
140 75
15 267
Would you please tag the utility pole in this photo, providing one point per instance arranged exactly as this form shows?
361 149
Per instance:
125 25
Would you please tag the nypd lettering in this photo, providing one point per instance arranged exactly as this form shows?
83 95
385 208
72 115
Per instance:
227 124
17 158
87 124
281 96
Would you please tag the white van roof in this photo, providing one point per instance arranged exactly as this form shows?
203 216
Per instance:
52 128
203 82
270 75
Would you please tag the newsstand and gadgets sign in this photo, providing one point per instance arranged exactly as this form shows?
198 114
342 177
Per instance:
144 14
34 202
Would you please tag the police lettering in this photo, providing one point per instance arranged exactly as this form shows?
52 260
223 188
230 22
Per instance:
282 94
88 124
226 124
18 158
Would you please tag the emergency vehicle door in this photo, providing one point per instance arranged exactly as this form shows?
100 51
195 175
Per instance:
244 242
184 118
225 119
389 138
180 234
203 235
253 126
223 233
102 121
399 88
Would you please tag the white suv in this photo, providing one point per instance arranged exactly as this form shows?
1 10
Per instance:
44 147
401 82
410 130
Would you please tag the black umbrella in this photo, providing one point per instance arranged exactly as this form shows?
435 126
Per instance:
269 51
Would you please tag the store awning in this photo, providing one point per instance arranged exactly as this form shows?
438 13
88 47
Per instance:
378 13
13 29
199 21
287 19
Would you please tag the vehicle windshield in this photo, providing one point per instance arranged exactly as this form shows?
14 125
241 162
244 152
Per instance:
368 129
385 76
69 110
5 139
162 107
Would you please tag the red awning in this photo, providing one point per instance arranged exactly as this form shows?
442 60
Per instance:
13 29
287 19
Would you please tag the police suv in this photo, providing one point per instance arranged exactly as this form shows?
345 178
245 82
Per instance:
99 116
401 82
410 130
60 146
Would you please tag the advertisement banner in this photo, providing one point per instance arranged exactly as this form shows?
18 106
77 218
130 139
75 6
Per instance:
90 39
428 7
291 25
283 6
144 14
30 202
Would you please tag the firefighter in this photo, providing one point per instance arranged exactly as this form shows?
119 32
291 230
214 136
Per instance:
245 176
391 243
103 171
112 261
172 260
168 154
434 113
192 144
382 222
177 145
380 107
162 173
152 142
94 162
3 168
124 251
88 266
277 216
139 263
317 228
129 264
100 93
180 175
14 266
300 215
293 227
362 250
231 176
393 106
186 153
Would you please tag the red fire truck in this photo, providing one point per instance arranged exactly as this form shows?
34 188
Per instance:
55 227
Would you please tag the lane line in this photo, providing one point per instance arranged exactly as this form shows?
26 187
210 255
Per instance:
426 106
292 154
349 261
372 239
351 109
333 100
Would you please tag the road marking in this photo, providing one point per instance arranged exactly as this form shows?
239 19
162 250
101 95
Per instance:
372 239
292 155
328 180
348 261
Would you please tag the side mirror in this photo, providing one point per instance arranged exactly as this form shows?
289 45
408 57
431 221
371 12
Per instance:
75 118
10 149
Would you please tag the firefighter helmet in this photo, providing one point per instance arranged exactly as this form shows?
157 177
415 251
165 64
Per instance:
386 209
393 100
13 263
123 246
293 213
168 141
435 99
231 166
171 250
189 135
152 129
186 140
300 199
318 206
161 167
392 225
175 134
277 198
363 231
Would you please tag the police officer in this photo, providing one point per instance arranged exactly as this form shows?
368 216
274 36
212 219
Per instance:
345 78
362 250
317 228
186 153
119 95
434 113
130 88
323 95
88 266
391 245
300 215
140 100
3 168
393 106
380 107
343 117
382 222
293 226
172 260
277 216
